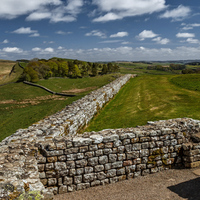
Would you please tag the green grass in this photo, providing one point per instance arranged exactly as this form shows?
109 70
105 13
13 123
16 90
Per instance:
32 104
188 81
147 98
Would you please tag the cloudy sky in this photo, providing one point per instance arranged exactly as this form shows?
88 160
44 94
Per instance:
100 30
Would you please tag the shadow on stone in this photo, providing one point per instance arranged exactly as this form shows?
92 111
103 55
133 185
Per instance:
187 190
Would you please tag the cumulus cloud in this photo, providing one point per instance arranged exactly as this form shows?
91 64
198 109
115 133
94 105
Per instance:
185 35
117 9
177 14
119 34
54 10
146 34
96 33
160 40
24 30
12 50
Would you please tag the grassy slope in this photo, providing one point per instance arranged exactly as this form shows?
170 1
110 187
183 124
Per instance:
147 98
13 116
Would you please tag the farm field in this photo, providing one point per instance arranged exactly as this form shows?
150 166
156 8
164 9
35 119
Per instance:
150 98
22 105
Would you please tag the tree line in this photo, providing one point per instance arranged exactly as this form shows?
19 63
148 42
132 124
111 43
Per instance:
171 67
57 67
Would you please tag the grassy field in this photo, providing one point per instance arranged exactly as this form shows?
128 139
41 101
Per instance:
22 105
5 69
149 98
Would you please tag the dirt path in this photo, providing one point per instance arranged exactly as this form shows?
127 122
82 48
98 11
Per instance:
167 185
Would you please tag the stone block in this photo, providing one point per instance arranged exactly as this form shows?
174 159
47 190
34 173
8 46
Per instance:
101 176
99 152
132 155
127 163
136 147
71 188
117 164
83 149
52 181
41 167
62 189
103 160
126 141
59 166
109 145
67 180
78 179
70 164
89 170
111 173
81 163
49 166
62 158
93 161
89 154
80 171
144 153
95 183
89 177
112 158
121 171
99 168
83 186
93 147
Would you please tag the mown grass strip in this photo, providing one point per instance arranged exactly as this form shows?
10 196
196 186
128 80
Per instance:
147 98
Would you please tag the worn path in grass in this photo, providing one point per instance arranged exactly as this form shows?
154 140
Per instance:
147 98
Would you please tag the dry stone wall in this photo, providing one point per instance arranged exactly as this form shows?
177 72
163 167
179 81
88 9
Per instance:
67 164
49 157
18 165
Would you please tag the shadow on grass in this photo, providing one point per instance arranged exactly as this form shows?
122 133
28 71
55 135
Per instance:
188 190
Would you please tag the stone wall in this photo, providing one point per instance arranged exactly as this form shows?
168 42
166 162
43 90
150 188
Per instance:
18 165
49 157
67 164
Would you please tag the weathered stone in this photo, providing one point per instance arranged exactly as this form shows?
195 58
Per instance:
111 173
67 180
77 179
112 158
52 159
81 163
89 170
71 188
89 177
99 168
62 189
132 155
103 160
93 161
52 181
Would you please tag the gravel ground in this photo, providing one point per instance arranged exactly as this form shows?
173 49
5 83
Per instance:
173 184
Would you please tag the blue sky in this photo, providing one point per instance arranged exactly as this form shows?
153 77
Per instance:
100 30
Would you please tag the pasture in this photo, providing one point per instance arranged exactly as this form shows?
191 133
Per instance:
150 98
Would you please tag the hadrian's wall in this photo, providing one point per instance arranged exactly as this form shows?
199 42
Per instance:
44 158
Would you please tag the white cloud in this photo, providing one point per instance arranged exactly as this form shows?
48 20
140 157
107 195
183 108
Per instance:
146 34
49 49
12 50
185 35
54 10
118 9
5 41
119 34
107 54
10 9
35 35
178 13
96 33
189 26
36 49
160 40
35 16
23 30
192 41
